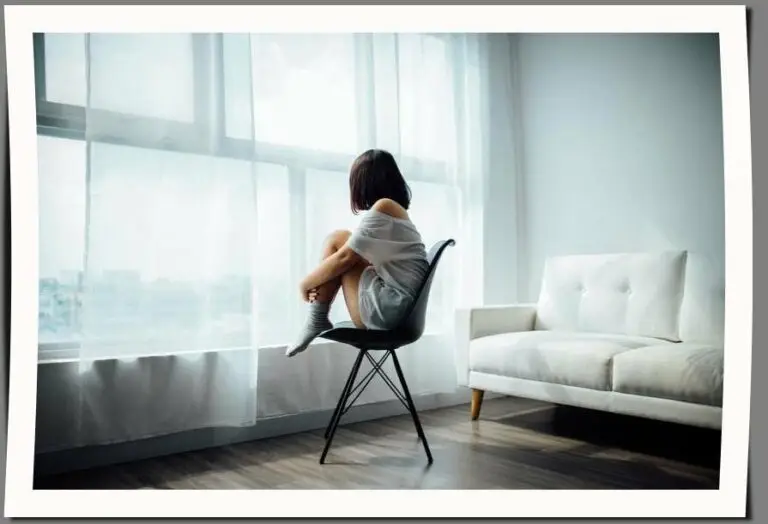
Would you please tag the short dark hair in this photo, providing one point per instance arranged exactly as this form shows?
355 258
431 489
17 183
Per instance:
374 175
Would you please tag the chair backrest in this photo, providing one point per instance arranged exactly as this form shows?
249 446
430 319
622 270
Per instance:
411 327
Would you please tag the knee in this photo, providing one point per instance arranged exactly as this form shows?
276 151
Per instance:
338 238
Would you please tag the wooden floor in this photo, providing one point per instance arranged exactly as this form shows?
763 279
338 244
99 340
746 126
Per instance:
516 444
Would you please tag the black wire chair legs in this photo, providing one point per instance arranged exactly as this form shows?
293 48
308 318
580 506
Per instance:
411 407
344 404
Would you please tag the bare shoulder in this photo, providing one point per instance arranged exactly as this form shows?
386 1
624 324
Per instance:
391 208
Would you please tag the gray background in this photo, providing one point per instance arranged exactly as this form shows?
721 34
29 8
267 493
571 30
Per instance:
758 29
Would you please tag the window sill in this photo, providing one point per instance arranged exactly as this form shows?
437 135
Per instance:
69 356
65 356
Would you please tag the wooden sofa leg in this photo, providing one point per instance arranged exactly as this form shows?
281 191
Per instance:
477 402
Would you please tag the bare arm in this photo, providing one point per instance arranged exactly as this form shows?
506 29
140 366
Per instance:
345 258
334 266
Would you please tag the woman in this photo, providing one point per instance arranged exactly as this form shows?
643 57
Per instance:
380 265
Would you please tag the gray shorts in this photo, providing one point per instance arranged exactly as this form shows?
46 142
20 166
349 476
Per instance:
381 305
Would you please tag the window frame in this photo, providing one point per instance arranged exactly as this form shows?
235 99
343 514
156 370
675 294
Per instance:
206 135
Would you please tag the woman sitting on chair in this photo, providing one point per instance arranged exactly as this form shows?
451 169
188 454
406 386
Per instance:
380 265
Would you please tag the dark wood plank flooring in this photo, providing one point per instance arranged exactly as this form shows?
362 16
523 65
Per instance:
516 444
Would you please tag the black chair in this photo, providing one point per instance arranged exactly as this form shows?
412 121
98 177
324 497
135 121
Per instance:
408 330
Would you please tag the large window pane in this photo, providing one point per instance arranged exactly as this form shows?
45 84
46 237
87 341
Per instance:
238 115
171 251
65 80
303 90
425 93
148 75
276 291
62 194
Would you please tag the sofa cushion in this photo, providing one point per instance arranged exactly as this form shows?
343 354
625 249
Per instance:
630 294
569 358
687 372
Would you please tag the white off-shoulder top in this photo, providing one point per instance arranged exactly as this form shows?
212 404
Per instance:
394 248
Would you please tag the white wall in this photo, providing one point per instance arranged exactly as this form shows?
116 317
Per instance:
622 147
501 242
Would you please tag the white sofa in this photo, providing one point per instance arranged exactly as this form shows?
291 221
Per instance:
634 333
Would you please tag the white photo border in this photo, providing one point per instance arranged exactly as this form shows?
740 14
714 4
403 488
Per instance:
728 21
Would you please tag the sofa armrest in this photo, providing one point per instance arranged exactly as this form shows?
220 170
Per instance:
483 321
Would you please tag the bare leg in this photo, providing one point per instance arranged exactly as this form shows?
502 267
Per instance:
334 242
349 282
317 320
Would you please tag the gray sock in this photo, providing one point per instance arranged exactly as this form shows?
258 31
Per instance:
317 322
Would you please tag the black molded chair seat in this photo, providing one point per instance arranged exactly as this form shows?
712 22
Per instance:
369 339
409 329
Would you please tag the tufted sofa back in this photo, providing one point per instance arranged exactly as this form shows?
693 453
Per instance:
702 313
637 294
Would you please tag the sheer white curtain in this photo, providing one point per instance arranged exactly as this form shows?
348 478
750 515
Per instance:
206 171
171 273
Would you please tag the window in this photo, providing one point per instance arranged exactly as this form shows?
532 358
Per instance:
424 74
64 66
150 75
62 204
287 110
169 249
210 170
